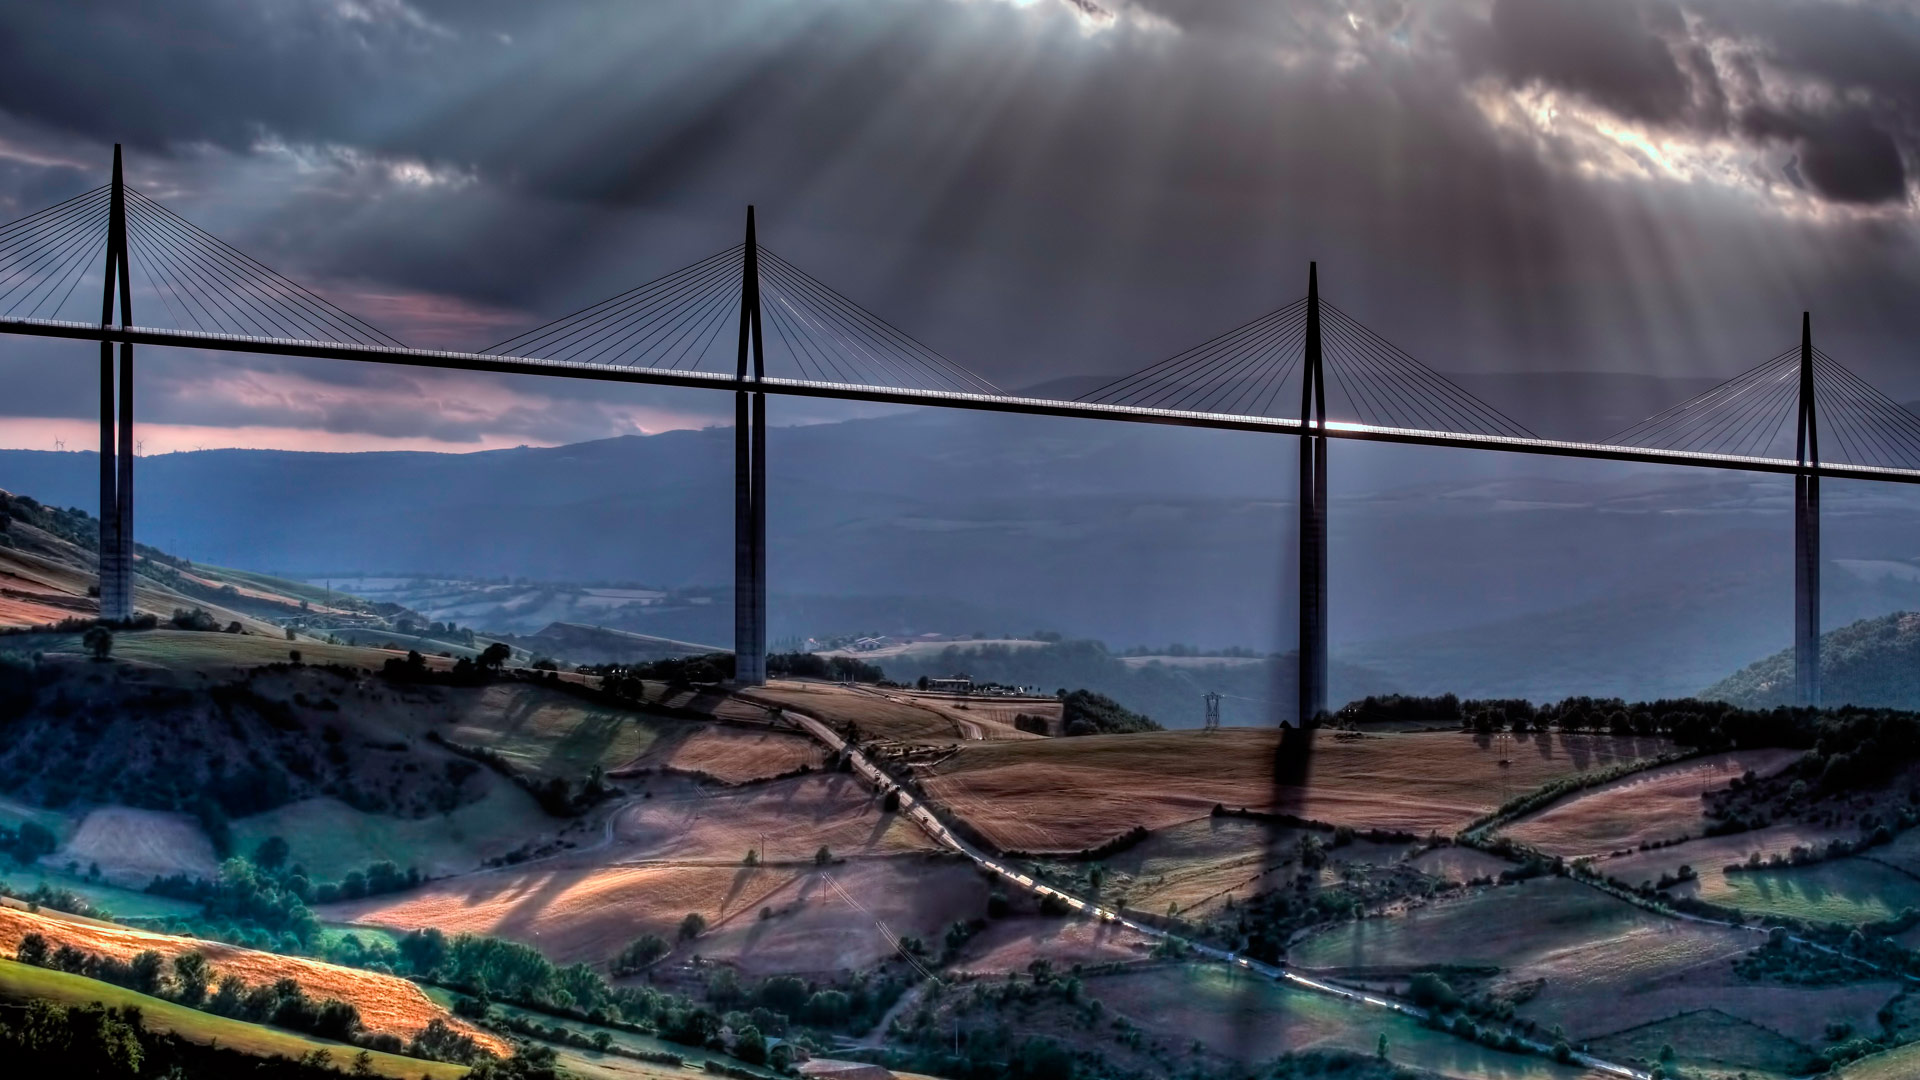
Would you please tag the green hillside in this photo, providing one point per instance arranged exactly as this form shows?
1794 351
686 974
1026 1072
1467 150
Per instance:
1874 662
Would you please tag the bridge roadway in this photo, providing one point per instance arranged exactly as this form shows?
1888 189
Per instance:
918 813
1006 403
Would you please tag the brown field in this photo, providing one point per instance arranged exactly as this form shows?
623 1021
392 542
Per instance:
784 821
731 755
386 1003
132 847
878 716
847 917
984 717
572 910
1011 944
1714 852
1074 793
1659 804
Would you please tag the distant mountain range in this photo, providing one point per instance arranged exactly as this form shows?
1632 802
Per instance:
1483 574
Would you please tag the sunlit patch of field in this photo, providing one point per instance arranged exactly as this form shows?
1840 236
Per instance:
1254 1018
132 847
21 982
332 839
878 717
1074 793
780 822
386 1003
1012 943
848 916
572 910
1658 804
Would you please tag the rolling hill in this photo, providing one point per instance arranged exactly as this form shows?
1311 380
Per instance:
1873 662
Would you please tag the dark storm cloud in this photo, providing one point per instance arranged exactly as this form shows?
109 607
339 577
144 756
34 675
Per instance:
1615 52
1037 190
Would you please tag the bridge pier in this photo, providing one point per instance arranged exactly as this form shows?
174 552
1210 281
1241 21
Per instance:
1312 655
116 439
750 486
1806 534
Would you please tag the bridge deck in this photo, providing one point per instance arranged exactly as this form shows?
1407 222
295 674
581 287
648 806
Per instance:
1007 403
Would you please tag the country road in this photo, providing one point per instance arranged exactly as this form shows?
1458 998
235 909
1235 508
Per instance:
931 824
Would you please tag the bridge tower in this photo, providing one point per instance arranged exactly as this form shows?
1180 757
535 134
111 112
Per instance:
116 440
1312 676
749 485
1806 534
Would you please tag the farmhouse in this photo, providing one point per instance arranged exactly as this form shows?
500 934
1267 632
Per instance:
958 684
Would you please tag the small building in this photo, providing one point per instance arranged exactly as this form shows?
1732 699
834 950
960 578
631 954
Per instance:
958 684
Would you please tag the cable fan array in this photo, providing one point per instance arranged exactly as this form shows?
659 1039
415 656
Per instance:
689 321
44 257
1756 414
1256 370
200 281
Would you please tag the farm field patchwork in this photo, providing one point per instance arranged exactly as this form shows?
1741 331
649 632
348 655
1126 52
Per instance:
1658 804
1075 793
549 733
573 909
1253 1019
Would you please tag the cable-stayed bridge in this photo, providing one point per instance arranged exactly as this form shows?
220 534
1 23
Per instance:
748 321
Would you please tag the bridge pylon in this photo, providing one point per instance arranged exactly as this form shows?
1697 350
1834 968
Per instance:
116 438
750 483
1312 655
1806 533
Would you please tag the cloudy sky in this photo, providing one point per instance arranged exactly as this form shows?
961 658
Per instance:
1037 188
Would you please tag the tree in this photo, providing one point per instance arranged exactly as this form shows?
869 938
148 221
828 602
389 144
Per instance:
495 656
692 926
271 853
752 859
1380 1048
750 1046
32 950
191 972
823 856
639 953
99 642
